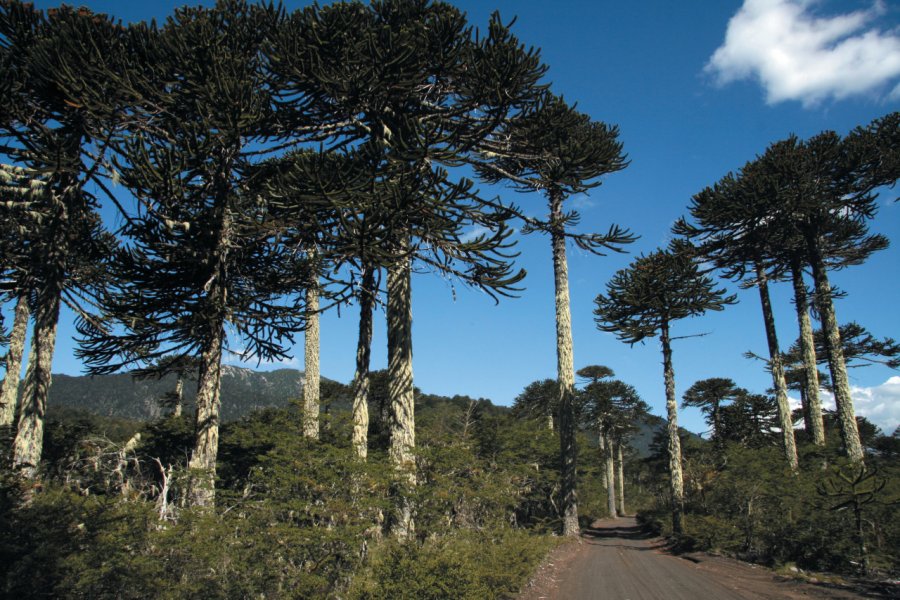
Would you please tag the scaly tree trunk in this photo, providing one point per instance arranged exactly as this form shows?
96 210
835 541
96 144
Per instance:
311 365
179 395
400 388
812 405
676 476
784 409
363 356
610 478
201 487
835 350
620 480
9 392
206 442
601 446
29 442
565 371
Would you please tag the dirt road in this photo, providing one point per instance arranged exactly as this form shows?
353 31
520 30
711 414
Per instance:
616 560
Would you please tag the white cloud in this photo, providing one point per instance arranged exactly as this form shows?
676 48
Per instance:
798 55
880 404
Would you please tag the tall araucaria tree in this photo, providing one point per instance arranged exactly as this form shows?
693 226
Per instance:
554 149
642 301
828 190
58 115
201 252
735 236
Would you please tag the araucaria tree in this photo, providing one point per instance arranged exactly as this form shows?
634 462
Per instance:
642 301
709 395
554 149
201 252
419 91
57 118
737 238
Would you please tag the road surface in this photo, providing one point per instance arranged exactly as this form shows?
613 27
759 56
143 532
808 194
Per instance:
617 560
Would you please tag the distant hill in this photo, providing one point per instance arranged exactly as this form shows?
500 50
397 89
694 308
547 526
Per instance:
243 391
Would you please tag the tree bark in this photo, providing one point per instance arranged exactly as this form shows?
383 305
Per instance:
206 442
400 388
179 395
363 357
9 392
812 405
674 442
28 445
620 479
784 410
601 446
311 378
835 350
610 479
565 371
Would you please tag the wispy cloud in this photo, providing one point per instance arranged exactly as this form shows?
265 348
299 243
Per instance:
799 55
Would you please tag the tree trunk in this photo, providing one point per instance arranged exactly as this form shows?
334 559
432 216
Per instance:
601 446
206 444
565 371
784 409
835 350
363 356
179 395
812 405
202 479
9 392
620 480
311 378
674 442
400 388
717 424
610 479
29 442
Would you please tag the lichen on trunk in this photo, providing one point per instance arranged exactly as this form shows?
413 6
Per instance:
29 441
206 441
9 392
785 421
676 477
836 363
620 480
366 297
610 479
401 390
812 404
565 370
311 378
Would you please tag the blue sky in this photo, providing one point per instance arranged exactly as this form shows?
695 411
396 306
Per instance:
686 119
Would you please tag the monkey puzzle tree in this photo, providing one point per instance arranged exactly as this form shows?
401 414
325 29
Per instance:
829 184
419 89
736 236
642 301
57 118
202 252
553 148
539 400
708 395
610 408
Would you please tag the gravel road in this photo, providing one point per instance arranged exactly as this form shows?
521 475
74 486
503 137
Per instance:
616 560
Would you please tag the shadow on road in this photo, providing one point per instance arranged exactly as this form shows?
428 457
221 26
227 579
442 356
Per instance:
634 537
